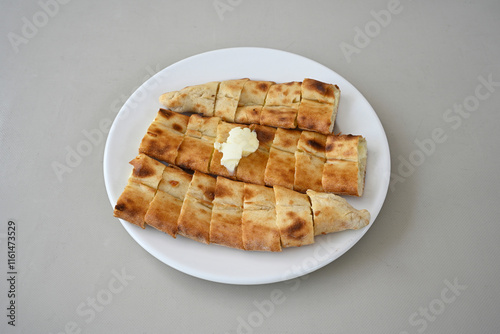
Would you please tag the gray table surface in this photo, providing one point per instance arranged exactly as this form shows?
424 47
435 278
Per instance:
429 264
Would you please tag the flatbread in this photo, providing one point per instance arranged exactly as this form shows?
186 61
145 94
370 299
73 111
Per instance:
164 210
265 135
293 217
280 168
195 151
134 201
259 229
225 224
164 136
286 140
309 161
344 172
333 213
227 99
252 168
312 143
318 107
251 101
199 99
281 105
308 172
196 211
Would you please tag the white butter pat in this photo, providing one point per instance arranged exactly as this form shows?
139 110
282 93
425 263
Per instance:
239 144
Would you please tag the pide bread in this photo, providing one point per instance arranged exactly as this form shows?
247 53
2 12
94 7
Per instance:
295 159
282 192
308 105
230 213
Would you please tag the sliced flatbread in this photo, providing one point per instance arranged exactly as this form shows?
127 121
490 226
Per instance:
164 210
259 229
134 201
281 105
225 225
333 213
227 99
280 169
344 172
251 101
253 167
318 107
309 161
199 99
195 151
293 217
164 136
196 211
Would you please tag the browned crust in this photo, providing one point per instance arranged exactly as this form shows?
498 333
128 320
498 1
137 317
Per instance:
342 147
163 213
293 217
308 172
133 203
259 229
341 177
280 169
195 154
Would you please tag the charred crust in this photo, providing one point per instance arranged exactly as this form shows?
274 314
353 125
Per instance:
316 145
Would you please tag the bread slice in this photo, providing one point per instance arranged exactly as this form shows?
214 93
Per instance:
195 151
280 169
134 201
227 99
259 229
225 224
318 106
333 213
251 101
196 211
281 105
164 210
293 217
310 159
344 171
164 136
198 99
253 167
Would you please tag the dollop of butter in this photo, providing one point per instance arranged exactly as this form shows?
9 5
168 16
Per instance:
240 143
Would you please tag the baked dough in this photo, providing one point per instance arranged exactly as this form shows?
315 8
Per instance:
318 107
259 229
199 99
251 101
195 151
309 161
134 201
280 169
164 210
225 224
227 99
293 217
281 106
309 105
164 136
333 213
196 211
345 168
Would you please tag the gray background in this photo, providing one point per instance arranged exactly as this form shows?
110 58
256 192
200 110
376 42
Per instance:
438 227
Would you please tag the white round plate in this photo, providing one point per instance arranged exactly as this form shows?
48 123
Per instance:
221 264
